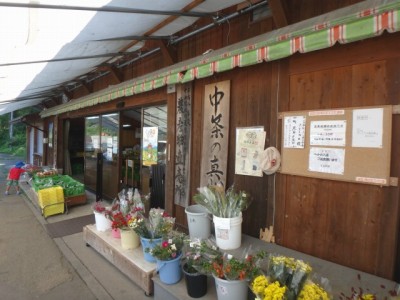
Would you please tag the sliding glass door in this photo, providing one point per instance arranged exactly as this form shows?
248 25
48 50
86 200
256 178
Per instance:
101 137
154 152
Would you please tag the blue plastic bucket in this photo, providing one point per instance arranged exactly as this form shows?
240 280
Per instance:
149 243
170 270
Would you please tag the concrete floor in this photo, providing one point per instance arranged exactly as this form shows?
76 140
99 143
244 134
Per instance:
35 266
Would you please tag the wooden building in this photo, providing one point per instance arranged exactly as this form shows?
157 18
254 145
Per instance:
305 56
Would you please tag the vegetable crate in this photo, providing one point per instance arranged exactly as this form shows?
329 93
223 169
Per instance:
75 200
51 201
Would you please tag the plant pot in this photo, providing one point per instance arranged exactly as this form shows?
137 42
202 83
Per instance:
102 223
170 270
228 232
196 283
115 233
199 221
149 243
231 289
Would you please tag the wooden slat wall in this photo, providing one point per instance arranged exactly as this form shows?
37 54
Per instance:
352 224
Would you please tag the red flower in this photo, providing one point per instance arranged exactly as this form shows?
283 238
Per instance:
165 244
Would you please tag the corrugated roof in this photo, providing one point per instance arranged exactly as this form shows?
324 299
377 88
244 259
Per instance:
48 44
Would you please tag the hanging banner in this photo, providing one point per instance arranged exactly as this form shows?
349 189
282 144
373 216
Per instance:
215 133
150 143
183 141
250 143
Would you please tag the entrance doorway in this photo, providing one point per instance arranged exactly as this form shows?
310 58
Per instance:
143 141
126 149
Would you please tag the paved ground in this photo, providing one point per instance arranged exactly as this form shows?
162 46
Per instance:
35 266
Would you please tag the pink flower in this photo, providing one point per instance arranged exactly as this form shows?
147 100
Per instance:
173 254
165 244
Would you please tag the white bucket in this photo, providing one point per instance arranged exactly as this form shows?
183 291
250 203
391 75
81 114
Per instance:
102 223
228 232
199 221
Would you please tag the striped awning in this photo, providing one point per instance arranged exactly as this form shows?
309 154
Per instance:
363 20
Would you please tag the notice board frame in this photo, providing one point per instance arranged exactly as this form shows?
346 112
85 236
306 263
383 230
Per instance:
361 165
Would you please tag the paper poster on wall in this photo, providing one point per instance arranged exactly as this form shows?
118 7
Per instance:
249 145
294 132
328 133
367 128
326 160
150 144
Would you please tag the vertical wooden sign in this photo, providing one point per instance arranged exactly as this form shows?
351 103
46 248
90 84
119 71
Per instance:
215 133
183 138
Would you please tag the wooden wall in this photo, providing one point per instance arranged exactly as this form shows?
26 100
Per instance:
352 224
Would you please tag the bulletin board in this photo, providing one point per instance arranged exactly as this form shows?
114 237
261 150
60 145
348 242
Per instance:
349 144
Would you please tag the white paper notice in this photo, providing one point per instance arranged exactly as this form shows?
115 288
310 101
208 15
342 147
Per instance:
328 133
249 145
367 128
294 132
327 160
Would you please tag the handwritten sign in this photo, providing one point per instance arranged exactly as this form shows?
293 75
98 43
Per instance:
294 132
215 133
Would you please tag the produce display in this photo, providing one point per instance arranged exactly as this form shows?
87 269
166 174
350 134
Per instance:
47 173
71 186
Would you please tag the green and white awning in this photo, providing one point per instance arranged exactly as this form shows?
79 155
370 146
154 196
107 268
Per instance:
364 20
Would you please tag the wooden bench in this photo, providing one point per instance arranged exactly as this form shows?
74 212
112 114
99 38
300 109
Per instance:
129 262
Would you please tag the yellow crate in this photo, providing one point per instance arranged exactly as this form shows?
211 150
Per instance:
51 201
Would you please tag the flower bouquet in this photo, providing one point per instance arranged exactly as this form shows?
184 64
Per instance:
170 248
151 230
118 220
205 257
159 224
99 207
288 279
199 255
226 208
168 255
223 204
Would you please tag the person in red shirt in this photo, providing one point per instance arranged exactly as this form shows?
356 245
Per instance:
13 177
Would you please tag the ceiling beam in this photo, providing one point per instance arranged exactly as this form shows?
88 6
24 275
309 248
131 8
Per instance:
110 9
278 13
168 53
137 38
115 73
86 87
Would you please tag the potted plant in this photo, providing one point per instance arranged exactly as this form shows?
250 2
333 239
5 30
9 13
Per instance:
226 208
153 229
192 267
168 255
231 274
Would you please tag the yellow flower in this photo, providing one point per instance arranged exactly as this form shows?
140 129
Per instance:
312 291
274 291
367 297
259 284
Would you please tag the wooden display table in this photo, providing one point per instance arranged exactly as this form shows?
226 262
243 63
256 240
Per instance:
129 262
